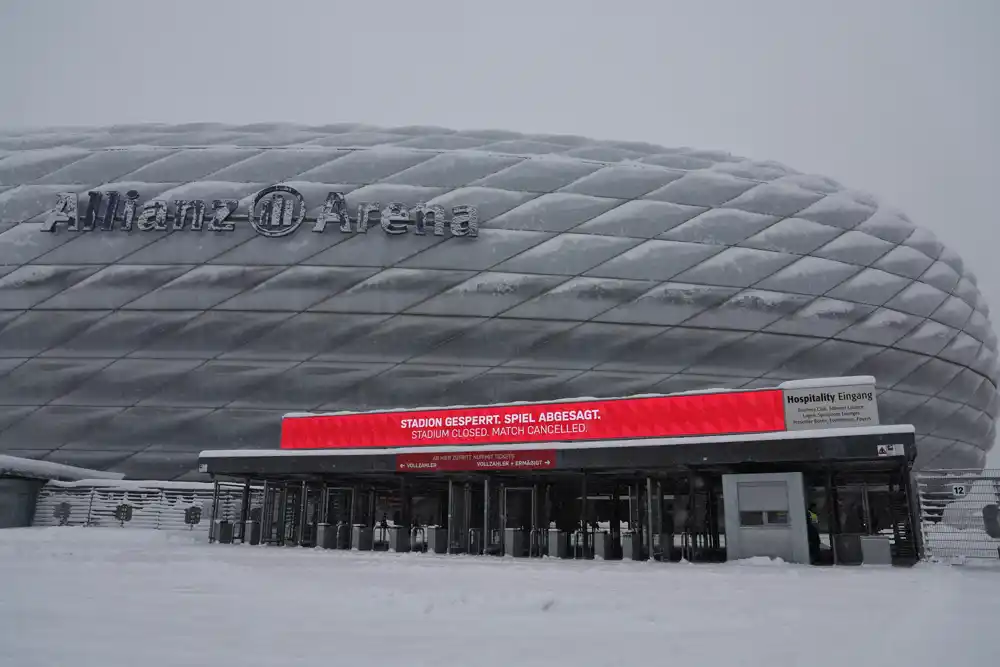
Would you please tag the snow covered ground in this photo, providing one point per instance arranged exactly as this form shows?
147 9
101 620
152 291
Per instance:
89 597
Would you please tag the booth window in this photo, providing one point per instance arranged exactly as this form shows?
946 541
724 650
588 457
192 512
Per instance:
760 518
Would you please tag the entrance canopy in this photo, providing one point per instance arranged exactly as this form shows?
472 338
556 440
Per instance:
639 477
801 424
880 447
801 405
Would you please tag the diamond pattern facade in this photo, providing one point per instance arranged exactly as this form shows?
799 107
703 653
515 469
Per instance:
601 269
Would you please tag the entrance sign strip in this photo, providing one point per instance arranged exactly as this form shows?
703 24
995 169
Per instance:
735 438
792 406
481 461
697 414
859 445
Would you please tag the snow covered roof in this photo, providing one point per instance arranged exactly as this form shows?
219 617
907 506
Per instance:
13 466
592 444
816 383
132 485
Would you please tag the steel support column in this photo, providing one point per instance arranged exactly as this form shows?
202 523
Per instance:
831 514
639 542
651 515
215 511
467 518
282 526
502 532
244 512
324 503
486 516
451 515
689 537
583 517
405 509
534 539
266 512
371 507
301 536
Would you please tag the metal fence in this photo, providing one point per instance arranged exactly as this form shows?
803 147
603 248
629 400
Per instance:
959 515
144 505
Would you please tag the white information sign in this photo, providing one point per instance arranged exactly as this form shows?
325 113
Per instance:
830 407
959 490
891 450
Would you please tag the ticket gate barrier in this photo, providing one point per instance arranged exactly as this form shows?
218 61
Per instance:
418 539
380 541
334 536
487 517
337 515
475 541
281 514
635 542
462 537
436 539
604 545
646 538
362 523
471 515
512 529
398 539
310 510
523 516
492 518
362 538
582 543
224 525
632 546
538 542
581 540
557 544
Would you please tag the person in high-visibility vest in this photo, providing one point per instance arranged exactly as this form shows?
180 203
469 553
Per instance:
812 529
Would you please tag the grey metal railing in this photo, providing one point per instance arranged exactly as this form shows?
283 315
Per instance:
959 514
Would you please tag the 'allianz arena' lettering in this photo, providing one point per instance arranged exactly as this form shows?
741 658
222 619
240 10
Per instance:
275 211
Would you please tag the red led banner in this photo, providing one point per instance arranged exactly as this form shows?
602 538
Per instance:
659 416
539 459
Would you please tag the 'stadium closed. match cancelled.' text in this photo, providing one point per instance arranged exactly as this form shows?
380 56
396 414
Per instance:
511 424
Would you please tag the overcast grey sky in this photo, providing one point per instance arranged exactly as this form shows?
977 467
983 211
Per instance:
897 97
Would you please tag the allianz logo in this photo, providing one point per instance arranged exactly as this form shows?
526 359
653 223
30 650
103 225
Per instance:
275 211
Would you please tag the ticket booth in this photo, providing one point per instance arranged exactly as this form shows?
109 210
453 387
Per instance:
766 516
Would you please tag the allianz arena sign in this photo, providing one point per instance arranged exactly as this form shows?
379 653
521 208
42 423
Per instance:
275 211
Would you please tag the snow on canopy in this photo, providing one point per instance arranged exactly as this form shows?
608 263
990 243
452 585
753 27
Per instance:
13 466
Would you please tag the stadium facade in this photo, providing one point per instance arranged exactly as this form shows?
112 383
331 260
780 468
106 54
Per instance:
159 296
